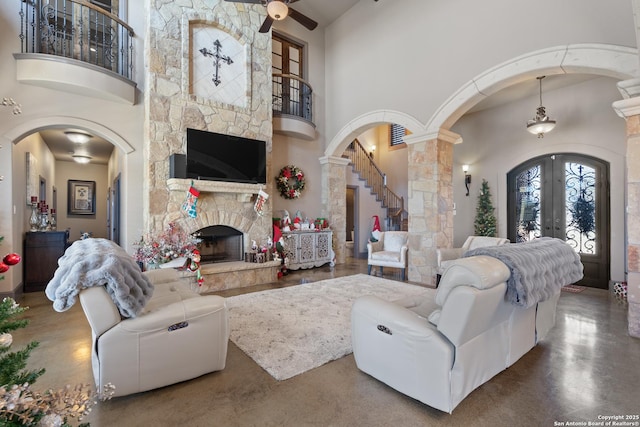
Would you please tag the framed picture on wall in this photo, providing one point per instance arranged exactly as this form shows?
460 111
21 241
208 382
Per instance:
81 197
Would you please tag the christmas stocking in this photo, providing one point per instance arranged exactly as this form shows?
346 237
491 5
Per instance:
260 201
189 205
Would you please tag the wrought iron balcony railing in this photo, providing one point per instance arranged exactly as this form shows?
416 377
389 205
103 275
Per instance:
79 30
292 96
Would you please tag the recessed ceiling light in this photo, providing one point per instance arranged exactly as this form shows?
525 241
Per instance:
79 158
78 137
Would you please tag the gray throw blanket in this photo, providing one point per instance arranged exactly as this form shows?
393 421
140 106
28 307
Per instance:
539 268
98 262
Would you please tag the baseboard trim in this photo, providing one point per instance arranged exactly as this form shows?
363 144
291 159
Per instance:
17 294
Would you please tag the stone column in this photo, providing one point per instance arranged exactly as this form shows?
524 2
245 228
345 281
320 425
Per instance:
430 203
629 109
334 197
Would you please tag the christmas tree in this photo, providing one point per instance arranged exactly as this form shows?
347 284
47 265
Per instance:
20 405
485 224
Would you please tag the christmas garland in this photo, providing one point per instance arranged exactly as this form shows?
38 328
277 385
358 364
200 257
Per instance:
290 182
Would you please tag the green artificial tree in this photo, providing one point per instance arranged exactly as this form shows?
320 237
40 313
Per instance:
13 364
485 223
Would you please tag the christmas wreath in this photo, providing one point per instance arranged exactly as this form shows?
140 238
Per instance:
290 182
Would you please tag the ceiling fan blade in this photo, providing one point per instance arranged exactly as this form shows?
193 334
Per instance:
266 25
246 1
303 19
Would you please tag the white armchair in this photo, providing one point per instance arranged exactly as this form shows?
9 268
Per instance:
446 256
389 251
180 335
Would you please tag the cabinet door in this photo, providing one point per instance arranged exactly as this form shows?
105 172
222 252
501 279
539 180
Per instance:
41 253
291 248
323 246
306 246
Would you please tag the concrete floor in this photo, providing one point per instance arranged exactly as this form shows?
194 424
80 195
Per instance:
586 368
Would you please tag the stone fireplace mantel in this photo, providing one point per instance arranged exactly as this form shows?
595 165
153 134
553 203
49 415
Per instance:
244 192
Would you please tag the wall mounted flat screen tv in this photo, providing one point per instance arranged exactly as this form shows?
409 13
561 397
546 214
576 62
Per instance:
218 157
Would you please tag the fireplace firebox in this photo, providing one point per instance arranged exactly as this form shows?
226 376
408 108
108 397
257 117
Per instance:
220 243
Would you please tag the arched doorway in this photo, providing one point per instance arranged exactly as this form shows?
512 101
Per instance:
565 196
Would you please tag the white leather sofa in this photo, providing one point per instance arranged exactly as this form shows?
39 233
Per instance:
389 251
180 335
439 348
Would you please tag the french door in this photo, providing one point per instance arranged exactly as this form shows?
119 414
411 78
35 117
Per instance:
564 196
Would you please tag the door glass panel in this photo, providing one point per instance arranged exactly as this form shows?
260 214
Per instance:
580 201
528 204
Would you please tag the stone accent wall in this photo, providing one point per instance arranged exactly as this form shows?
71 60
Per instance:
334 197
430 202
633 224
629 109
171 109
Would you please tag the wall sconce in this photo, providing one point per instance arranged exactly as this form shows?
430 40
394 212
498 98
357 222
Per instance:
467 177
372 149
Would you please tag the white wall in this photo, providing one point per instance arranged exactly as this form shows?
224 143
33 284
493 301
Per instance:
17 195
496 141
431 49
300 152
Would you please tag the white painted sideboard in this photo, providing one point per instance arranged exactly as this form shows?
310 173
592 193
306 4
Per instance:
308 248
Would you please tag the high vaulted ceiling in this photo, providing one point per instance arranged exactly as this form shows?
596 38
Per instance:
324 12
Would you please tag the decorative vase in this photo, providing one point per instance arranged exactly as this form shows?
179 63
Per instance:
44 220
33 219
53 224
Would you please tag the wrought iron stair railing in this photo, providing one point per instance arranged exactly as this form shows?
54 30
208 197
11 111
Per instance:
79 30
376 181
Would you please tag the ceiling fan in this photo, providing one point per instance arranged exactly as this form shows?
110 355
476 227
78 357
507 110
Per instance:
277 10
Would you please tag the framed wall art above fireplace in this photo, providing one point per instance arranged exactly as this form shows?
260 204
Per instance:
81 197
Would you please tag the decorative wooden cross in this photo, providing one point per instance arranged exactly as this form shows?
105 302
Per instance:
217 55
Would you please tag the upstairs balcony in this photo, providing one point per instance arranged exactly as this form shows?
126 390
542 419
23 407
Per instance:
76 46
293 107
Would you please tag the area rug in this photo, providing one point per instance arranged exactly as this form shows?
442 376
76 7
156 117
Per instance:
291 330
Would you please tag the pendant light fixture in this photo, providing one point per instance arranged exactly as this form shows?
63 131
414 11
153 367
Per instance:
541 123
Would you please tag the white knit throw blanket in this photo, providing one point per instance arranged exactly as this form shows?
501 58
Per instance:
98 262
539 268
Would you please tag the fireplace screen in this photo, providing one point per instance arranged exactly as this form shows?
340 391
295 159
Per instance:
220 243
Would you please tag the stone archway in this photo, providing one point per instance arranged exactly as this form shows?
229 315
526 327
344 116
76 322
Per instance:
429 143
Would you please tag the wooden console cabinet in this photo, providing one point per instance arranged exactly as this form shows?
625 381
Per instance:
308 249
41 252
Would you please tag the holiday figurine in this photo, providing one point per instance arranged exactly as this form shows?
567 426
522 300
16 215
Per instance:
375 233
194 265
286 221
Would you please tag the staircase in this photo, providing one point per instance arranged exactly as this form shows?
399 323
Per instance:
376 182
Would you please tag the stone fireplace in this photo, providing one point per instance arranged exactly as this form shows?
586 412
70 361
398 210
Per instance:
229 224
182 96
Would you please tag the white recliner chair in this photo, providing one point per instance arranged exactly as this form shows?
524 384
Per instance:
389 251
439 348
180 335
